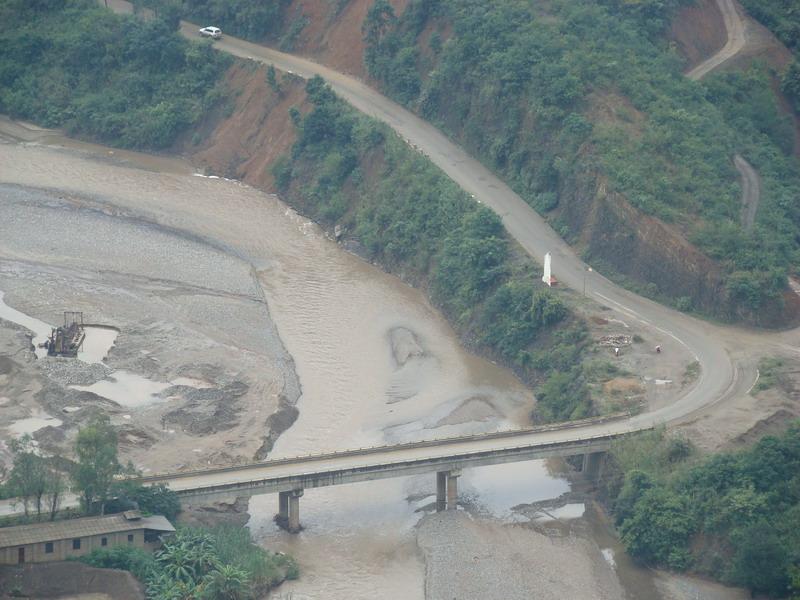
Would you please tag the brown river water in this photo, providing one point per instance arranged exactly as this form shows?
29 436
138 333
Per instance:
376 362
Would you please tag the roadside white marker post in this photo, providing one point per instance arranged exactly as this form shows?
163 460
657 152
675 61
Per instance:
548 276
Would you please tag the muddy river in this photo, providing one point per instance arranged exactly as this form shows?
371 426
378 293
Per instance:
375 362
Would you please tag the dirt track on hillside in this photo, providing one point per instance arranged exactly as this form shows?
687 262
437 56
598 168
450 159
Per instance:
751 192
736 41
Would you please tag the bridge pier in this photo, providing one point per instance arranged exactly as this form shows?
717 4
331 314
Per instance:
447 489
441 490
593 465
288 516
282 518
294 511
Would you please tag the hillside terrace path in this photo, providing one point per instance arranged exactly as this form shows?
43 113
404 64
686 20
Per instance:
720 378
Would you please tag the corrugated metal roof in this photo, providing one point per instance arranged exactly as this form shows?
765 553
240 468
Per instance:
77 528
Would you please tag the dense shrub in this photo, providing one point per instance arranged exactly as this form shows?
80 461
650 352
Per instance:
151 500
253 19
780 17
216 564
114 78
733 515
139 562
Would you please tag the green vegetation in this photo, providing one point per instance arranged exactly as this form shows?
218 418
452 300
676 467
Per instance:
666 144
769 371
790 83
40 481
214 564
37 480
113 78
140 563
780 17
97 464
252 19
352 171
733 515
150 500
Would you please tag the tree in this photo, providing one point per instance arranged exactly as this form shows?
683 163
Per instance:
28 478
170 14
380 17
760 562
658 530
636 484
794 575
55 489
790 82
154 500
272 79
96 449
35 478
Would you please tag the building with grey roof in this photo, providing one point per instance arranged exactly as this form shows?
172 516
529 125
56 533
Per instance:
60 540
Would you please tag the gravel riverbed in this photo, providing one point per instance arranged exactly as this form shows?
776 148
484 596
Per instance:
481 559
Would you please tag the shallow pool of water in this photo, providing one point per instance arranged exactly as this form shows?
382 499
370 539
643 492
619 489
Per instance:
97 343
127 389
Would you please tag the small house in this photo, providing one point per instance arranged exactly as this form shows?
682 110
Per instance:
71 538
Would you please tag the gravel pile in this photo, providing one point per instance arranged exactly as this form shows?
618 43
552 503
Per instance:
71 371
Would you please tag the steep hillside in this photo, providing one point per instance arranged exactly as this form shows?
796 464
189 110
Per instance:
779 19
324 30
383 199
599 128
389 204
732 516
698 31
243 138
109 77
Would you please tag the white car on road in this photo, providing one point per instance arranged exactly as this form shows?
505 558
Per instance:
212 32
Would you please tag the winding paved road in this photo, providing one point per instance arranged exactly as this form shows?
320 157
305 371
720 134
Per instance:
719 378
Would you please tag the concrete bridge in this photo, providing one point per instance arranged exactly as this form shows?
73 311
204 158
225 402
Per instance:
289 477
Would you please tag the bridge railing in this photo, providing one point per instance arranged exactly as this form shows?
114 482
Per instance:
156 477
305 479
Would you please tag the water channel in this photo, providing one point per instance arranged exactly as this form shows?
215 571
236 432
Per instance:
377 364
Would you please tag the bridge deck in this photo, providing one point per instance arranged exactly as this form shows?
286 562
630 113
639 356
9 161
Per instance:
395 461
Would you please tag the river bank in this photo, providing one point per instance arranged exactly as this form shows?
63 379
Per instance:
375 361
